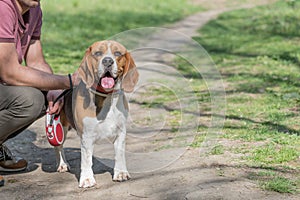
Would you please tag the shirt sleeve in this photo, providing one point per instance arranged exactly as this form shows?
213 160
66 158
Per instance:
37 30
7 23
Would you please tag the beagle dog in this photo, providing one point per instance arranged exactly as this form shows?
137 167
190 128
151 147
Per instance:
100 107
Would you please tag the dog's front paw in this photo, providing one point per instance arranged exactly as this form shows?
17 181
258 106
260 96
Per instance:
63 168
121 176
87 181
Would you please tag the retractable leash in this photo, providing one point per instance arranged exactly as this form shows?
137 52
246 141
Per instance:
54 129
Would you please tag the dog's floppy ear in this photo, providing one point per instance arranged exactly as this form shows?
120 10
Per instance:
130 75
86 69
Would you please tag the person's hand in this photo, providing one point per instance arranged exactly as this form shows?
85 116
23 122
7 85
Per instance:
75 78
56 108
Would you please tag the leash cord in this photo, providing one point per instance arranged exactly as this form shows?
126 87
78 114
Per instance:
65 92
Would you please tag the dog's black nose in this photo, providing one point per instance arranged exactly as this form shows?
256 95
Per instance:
107 61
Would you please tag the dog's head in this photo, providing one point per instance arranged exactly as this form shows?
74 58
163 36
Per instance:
107 64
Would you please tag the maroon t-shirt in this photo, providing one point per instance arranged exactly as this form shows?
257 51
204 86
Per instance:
19 29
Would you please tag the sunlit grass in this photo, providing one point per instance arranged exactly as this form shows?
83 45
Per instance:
70 26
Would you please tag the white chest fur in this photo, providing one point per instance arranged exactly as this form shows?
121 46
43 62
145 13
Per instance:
110 121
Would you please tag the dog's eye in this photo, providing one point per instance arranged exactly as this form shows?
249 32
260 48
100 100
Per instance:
98 53
117 53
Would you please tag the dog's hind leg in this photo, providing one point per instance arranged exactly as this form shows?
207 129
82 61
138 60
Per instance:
62 164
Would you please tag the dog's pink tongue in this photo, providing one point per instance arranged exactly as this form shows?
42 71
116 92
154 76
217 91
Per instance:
107 82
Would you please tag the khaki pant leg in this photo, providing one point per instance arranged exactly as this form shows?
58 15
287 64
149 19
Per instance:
19 107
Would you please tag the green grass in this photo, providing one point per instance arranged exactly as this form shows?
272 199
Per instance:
257 52
70 26
270 180
217 150
198 141
273 154
281 185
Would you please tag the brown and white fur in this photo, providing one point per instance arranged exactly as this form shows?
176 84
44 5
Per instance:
100 107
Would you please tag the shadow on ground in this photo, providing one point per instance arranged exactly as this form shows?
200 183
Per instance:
25 146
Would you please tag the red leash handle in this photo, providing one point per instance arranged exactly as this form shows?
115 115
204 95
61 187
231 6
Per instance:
54 130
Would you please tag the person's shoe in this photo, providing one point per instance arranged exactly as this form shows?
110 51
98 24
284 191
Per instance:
9 163
1 181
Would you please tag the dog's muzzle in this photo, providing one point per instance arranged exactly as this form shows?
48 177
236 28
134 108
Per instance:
107 81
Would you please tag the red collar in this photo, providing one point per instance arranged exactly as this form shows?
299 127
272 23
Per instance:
100 89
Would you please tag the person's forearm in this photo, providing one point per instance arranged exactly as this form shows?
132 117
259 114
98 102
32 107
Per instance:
27 76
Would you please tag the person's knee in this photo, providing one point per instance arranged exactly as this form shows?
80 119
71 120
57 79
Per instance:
30 103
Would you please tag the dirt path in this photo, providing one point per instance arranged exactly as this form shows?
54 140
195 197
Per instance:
187 176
